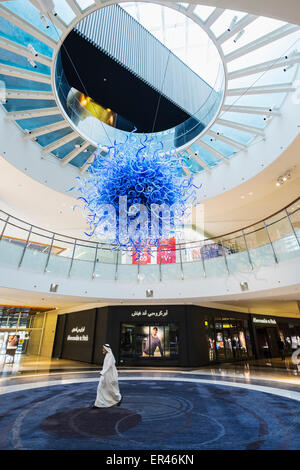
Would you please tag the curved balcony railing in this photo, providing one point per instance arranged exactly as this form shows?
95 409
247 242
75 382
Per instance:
266 243
97 132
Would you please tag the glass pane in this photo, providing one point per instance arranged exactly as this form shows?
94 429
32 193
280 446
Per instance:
60 257
149 272
12 245
173 341
220 345
64 11
36 253
215 263
85 3
12 320
295 219
149 341
83 262
228 345
236 255
171 272
28 12
279 226
127 341
193 270
127 273
284 241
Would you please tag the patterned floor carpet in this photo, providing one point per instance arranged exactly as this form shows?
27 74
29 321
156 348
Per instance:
153 415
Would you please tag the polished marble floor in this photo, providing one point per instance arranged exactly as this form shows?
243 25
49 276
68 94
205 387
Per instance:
45 404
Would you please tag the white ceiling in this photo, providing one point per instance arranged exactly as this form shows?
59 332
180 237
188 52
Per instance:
283 304
287 10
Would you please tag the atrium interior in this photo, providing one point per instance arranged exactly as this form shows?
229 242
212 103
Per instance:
150 203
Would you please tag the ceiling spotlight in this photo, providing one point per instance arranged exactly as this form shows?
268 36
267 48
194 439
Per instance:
53 287
233 22
149 293
32 63
239 35
45 22
285 177
32 50
244 286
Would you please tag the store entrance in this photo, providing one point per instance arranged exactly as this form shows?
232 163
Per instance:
267 342
231 340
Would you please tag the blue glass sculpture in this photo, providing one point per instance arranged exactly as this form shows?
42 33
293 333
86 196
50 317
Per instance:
134 194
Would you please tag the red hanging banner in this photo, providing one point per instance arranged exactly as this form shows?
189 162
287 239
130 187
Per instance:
166 252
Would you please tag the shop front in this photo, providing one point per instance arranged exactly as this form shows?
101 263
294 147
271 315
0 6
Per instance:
289 331
151 335
229 337
20 333
155 335
271 336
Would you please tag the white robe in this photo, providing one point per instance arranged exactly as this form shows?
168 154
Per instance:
108 393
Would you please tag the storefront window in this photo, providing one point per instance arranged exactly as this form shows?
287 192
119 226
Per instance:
231 339
149 341
220 345
24 320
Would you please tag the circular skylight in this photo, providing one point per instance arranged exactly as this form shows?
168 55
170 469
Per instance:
143 68
260 58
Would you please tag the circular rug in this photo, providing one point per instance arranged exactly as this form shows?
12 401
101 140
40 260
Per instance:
154 415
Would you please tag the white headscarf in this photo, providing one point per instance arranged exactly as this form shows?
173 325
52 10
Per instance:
107 348
109 353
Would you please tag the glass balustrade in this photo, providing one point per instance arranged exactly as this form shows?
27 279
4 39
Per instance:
271 241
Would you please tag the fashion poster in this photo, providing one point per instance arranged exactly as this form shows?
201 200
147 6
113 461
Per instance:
155 341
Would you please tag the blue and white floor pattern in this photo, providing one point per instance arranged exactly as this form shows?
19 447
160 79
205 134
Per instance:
159 411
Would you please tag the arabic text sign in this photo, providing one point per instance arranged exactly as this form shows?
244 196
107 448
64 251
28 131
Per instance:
77 337
145 313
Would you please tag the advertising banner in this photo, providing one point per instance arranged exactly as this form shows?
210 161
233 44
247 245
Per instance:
166 253
142 258
12 344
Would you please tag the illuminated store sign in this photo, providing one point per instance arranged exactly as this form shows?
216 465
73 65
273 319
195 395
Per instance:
268 321
145 313
78 337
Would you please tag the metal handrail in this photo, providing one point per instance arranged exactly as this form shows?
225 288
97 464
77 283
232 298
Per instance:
106 246
225 247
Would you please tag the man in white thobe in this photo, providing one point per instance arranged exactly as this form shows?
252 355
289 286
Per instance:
108 393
